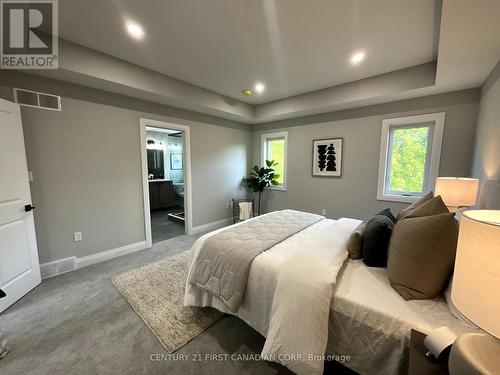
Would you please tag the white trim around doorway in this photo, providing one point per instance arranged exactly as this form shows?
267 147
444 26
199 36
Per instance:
188 206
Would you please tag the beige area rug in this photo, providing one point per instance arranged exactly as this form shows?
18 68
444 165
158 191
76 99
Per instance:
156 293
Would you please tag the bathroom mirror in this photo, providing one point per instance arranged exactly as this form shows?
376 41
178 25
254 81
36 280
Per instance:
156 164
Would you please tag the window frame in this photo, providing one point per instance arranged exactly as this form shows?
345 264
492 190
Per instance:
433 156
264 139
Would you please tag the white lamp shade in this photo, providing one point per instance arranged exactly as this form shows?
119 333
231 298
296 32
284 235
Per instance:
476 281
457 192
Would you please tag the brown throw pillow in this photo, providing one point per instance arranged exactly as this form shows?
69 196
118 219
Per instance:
412 206
422 253
355 243
433 206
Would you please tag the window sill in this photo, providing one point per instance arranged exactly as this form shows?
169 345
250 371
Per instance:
278 188
397 198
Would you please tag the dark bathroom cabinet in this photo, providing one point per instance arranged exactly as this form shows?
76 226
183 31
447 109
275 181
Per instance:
160 195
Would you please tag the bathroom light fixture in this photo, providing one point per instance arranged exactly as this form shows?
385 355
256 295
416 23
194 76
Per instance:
135 30
247 92
151 144
259 88
357 57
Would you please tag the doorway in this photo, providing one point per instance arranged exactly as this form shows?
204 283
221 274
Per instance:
166 173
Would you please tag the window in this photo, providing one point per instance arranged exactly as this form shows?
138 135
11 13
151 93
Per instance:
409 156
274 147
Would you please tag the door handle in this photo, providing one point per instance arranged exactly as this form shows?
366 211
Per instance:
29 208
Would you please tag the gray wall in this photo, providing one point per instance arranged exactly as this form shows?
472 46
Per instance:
86 161
87 170
354 194
487 149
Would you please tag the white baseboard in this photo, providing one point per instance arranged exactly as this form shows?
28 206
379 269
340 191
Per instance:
211 226
57 267
109 254
61 266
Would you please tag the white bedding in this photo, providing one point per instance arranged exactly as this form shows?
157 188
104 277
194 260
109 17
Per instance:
288 293
369 321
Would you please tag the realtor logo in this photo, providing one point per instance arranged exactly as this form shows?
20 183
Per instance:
29 34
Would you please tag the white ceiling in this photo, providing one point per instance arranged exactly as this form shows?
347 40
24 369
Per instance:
292 46
469 45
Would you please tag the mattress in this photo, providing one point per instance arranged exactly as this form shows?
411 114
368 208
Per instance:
370 323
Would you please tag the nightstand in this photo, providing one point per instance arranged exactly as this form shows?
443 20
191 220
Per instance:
419 363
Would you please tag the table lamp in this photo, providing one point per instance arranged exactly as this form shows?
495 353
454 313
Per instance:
476 293
457 192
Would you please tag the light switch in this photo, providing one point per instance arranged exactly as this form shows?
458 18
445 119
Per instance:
78 236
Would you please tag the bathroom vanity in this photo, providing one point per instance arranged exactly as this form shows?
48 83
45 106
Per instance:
160 194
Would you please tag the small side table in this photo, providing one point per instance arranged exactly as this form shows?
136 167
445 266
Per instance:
419 363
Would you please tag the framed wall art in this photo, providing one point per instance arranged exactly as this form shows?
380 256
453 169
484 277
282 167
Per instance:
327 157
176 161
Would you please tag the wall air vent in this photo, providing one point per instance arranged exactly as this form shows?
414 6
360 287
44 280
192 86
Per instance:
37 99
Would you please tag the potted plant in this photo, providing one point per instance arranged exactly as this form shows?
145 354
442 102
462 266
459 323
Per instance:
262 177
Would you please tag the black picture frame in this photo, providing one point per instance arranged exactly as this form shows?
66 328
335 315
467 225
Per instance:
327 159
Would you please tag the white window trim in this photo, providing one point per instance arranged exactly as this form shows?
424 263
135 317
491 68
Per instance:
263 144
437 140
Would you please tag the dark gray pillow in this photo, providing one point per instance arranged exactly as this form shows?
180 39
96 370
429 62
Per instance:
387 212
376 238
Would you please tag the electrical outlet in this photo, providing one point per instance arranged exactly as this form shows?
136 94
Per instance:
323 211
78 236
228 204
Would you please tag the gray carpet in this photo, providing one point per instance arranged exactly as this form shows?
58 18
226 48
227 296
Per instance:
156 293
78 323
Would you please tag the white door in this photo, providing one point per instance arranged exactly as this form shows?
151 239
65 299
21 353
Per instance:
19 267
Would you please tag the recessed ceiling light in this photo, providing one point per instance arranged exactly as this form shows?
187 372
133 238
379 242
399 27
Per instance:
247 92
259 88
357 57
135 30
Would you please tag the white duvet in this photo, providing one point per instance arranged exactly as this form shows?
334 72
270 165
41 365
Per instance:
288 293
371 323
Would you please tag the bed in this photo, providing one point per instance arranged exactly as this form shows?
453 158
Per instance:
371 323
368 321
